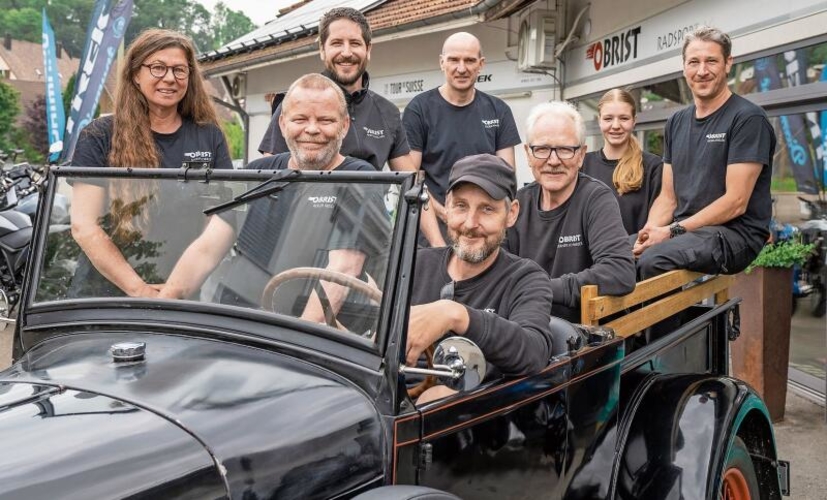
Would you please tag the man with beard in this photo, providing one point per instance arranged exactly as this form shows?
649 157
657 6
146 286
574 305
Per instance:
713 212
314 121
376 134
570 223
475 288
456 120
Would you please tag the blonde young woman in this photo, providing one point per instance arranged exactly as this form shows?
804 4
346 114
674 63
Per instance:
163 118
633 174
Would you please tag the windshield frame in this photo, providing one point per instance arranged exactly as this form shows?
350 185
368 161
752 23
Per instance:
39 315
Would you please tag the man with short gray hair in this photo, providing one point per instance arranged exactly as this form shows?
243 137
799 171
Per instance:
569 222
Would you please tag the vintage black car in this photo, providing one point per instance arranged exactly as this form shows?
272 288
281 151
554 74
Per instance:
231 394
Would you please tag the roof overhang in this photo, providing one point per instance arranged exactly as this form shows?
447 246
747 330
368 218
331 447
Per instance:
392 19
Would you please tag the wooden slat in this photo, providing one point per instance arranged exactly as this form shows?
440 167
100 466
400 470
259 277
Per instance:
662 309
588 294
603 306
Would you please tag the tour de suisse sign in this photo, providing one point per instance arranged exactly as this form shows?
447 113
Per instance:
495 77
662 35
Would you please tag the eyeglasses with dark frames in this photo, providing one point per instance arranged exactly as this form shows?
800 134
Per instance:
159 70
562 152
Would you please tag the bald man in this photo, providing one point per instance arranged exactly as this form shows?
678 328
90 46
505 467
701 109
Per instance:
456 120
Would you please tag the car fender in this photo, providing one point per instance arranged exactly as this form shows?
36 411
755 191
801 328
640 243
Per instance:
677 430
405 492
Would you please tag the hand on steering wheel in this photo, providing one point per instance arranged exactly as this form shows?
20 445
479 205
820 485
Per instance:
321 274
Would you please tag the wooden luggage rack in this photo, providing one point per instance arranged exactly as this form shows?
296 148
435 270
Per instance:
594 307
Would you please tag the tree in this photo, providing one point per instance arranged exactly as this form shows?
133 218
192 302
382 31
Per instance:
35 124
22 24
185 16
227 25
235 139
9 109
74 17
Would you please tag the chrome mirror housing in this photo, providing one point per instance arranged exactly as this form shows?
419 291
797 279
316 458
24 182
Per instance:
464 359
458 364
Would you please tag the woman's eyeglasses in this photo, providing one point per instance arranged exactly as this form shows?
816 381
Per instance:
160 70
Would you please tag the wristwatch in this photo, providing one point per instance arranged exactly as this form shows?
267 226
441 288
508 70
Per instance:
675 229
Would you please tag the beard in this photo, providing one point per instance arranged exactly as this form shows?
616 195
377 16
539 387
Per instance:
346 80
474 256
315 160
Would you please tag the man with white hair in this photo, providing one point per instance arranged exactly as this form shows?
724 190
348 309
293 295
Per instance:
569 223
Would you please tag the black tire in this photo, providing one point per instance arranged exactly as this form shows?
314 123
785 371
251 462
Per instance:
739 461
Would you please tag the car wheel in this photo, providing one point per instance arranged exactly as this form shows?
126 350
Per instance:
739 481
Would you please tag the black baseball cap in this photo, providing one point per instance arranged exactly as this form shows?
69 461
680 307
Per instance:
490 172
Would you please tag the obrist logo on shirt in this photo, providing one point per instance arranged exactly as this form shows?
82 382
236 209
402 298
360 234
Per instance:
716 137
322 201
574 240
495 123
374 134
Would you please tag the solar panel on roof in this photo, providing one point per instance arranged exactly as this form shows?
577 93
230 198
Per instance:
307 16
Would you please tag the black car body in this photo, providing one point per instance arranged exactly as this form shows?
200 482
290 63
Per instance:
234 401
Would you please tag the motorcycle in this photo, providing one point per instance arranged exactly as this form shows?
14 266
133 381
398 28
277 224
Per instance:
20 187
814 271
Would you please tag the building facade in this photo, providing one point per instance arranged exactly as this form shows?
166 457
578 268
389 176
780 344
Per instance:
538 50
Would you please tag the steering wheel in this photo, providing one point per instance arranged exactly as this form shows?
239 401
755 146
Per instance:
321 274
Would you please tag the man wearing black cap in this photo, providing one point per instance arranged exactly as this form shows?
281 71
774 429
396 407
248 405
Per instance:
475 288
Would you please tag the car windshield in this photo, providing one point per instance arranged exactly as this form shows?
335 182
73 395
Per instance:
313 248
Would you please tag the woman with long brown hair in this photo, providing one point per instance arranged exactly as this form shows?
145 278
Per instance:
633 174
163 118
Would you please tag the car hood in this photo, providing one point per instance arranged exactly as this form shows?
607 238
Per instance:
77 445
277 426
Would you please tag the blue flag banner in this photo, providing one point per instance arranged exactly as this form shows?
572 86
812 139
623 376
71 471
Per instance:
105 34
824 135
55 117
793 128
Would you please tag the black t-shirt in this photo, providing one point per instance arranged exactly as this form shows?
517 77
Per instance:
444 133
191 143
508 306
700 150
635 205
376 134
581 242
162 234
327 216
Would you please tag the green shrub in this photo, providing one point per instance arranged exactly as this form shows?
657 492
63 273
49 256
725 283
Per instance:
782 254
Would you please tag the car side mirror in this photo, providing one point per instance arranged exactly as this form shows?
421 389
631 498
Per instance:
462 357
458 363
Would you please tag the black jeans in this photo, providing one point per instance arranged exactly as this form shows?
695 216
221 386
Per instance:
708 250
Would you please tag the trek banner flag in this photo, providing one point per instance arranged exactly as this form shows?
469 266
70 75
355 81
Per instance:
55 117
793 128
105 34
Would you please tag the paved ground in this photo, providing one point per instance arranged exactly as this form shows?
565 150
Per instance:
802 439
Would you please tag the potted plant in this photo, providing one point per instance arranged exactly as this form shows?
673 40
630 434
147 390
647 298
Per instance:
760 356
